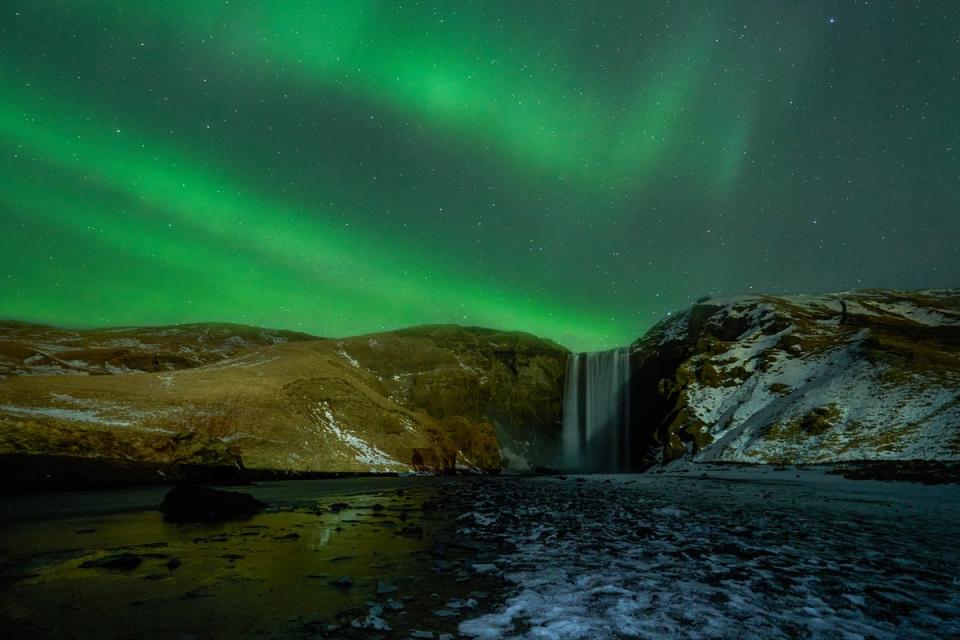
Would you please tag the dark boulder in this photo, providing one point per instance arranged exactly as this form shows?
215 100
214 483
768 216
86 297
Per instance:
120 561
188 503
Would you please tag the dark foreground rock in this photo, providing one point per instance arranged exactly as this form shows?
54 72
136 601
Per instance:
120 561
923 471
188 503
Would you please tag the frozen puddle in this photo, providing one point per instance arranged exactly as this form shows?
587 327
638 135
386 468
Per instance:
734 555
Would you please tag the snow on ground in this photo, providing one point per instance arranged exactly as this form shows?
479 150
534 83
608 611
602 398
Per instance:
73 415
346 356
129 343
745 554
89 411
49 370
862 302
120 370
272 338
243 361
51 347
674 328
792 386
363 451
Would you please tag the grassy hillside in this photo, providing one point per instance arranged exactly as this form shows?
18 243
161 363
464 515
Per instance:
425 398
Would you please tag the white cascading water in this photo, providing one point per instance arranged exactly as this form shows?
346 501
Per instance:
596 411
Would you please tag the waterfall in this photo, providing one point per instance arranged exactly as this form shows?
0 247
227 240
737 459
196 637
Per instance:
596 411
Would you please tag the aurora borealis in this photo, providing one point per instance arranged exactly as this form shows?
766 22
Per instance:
576 170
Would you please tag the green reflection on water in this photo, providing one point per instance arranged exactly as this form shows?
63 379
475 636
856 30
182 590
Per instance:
269 574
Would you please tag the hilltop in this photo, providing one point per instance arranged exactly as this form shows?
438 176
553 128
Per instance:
426 398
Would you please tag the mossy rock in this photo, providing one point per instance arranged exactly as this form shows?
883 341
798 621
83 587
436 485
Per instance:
815 422
686 433
447 392
510 379
736 376
820 420
791 345
709 375
476 441
432 460
686 374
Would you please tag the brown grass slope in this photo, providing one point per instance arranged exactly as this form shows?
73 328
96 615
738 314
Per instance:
505 386
430 397
31 349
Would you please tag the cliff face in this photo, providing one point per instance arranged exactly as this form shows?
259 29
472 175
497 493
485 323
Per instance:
858 375
431 398
486 387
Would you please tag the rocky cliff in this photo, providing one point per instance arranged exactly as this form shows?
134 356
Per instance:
848 376
427 398
490 389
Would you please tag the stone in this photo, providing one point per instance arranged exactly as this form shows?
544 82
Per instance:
290 536
384 589
191 503
120 562
394 605
343 582
372 623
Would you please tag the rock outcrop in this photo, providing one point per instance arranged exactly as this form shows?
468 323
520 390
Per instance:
192 503
859 375
488 388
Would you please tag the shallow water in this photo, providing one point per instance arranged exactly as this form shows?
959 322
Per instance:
711 553
264 576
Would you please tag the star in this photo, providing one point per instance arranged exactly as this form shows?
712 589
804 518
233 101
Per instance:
671 157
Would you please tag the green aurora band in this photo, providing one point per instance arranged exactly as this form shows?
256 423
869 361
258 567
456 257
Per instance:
206 226
348 167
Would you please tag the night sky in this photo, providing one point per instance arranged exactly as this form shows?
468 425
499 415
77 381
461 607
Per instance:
572 169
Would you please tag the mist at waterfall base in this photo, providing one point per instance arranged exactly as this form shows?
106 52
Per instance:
597 413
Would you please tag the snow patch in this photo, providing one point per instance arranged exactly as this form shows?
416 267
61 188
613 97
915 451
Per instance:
363 451
590 561
346 356
71 415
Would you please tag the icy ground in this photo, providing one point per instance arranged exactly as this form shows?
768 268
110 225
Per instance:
742 554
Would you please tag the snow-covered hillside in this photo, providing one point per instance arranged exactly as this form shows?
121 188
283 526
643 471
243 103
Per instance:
846 376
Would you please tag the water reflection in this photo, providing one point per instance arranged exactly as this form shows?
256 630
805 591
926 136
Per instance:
273 572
